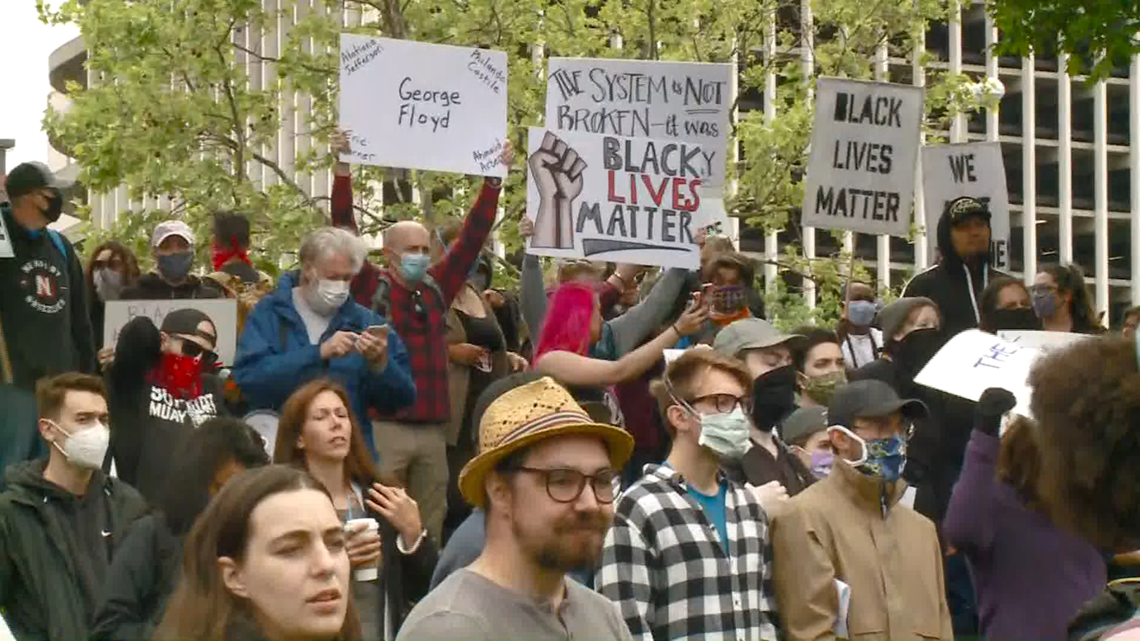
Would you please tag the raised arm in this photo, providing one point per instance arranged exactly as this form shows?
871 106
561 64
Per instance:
631 328
571 369
532 295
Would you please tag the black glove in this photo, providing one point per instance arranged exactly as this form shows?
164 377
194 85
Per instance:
994 403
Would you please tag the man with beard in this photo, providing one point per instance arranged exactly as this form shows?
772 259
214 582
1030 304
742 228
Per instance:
546 477
688 556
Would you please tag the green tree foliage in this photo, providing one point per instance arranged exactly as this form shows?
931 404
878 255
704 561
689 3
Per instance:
174 113
1099 34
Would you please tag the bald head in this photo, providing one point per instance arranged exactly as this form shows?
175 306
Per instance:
407 236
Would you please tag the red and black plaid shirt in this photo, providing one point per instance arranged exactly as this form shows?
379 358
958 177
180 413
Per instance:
418 315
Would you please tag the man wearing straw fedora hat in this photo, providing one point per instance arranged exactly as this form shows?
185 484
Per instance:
545 476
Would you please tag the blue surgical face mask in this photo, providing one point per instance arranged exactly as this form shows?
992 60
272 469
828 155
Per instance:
882 457
413 267
861 312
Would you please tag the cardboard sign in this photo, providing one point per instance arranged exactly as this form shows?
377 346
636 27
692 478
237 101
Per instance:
974 361
222 311
1042 340
627 200
977 170
688 101
6 250
423 106
864 153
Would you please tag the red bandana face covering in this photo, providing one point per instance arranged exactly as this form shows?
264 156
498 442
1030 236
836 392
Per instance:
180 375
221 256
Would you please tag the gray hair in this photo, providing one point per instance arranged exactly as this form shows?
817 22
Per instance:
333 240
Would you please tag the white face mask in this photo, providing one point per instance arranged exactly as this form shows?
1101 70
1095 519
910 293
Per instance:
86 448
327 296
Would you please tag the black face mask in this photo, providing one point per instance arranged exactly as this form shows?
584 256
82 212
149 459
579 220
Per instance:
1022 318
55 207
915 350
773 397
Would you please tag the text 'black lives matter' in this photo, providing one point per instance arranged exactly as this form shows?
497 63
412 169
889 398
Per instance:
881 111
652 194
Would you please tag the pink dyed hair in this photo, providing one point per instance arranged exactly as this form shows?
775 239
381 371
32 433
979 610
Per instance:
568 319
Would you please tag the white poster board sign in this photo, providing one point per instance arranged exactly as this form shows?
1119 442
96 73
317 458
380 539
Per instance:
222 311
864 153
688 101
974 361
974 169
627 200
1042 340
423 106
5 241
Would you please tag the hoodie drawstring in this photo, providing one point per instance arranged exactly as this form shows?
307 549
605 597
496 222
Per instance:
970 286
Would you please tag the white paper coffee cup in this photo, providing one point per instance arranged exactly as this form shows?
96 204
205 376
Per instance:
367 573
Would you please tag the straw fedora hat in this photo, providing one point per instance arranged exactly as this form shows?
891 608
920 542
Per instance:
526 415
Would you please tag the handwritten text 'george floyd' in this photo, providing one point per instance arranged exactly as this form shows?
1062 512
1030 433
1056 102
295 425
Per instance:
426 107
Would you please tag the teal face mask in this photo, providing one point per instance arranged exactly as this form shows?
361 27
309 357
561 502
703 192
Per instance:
413 267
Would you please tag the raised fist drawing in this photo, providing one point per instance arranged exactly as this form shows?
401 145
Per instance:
557 171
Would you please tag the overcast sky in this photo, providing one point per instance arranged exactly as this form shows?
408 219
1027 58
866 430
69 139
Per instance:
25 44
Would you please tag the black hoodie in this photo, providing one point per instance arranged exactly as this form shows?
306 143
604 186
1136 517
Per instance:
150 422
949 284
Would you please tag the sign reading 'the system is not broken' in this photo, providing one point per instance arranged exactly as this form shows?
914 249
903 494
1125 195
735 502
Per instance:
864 150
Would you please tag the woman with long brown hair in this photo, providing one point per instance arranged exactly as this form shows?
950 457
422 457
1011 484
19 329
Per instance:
266 560
112 269
387 547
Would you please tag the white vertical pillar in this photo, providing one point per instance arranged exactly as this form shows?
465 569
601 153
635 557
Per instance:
1029 166
269 75
321 177
1100 183
771 239
918 73
958 126
304 107
883 242
734 152
1134 175
993 118
1065 159
286 142
807 53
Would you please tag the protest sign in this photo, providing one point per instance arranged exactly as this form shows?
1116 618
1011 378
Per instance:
627 200
975 169
688 101
423 106
974 361
672 355
864 153
222 311
1042 340
5 241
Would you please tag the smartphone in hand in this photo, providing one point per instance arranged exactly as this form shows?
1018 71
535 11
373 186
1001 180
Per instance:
379 331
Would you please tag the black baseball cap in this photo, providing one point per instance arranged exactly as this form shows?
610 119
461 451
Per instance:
870 399
961 209
27 177
185 321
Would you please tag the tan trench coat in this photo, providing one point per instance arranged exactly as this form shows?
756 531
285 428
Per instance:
835 529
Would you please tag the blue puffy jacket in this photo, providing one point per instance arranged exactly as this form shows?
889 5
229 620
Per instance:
275 358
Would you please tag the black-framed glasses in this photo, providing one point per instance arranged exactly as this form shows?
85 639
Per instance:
724 403
565 486
194 350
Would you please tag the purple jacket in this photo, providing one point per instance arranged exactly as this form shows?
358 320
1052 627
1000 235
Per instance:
1030 576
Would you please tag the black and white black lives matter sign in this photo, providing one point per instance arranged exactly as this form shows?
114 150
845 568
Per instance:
864 151
976 170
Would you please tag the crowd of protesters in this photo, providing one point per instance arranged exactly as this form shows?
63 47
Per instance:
402 450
